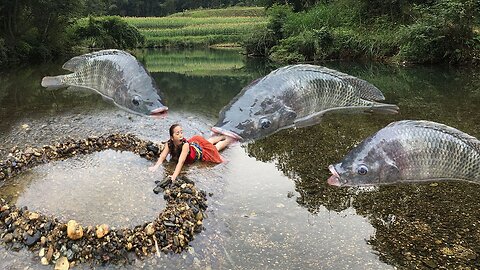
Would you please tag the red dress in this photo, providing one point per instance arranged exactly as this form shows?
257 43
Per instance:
202 149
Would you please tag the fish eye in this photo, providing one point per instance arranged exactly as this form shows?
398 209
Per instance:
136 101
265 123
362 170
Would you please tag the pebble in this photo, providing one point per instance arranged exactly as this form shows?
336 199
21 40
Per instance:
8 238
150 229
102 230
62 264
74 230
33 216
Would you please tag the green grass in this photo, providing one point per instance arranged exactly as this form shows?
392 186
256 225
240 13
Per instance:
223 12
200 28
214 62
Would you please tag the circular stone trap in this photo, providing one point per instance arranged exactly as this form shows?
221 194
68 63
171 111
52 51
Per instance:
76 179
110 187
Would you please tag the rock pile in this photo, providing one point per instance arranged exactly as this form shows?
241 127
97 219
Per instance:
66 243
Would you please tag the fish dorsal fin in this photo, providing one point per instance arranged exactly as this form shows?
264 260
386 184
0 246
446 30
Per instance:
78 61
468 139
364 89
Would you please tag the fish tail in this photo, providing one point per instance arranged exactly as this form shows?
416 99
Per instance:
53 82
383 109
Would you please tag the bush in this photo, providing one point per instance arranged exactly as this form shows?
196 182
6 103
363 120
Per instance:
442 34
309 45
278 15
259 42
106 32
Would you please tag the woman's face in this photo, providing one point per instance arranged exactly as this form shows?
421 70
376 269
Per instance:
177 134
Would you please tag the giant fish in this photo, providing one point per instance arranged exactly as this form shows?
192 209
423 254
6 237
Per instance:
408 151
117 76
296 96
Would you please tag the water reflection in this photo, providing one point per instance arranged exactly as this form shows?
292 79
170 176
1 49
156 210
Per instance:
417 225
104 187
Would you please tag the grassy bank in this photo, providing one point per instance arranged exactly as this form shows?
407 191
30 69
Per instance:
204 27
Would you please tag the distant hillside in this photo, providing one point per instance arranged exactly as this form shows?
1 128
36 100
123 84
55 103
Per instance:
200 28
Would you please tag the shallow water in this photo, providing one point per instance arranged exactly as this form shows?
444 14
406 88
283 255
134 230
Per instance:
270 206
76 188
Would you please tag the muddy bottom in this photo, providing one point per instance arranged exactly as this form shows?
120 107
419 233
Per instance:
109 187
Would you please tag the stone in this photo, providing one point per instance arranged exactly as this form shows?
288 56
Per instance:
44 261
74 230
62 264
49 253
8 238
102 230
33 216
31 240
150 229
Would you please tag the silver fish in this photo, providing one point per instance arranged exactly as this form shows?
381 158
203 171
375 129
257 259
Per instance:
296 96
408 151
117 76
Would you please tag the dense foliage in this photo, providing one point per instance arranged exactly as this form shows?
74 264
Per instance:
34 29
417 31
106 32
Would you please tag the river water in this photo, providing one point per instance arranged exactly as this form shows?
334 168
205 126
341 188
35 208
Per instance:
270 206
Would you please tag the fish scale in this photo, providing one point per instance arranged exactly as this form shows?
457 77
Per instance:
297 96
114 74
413 151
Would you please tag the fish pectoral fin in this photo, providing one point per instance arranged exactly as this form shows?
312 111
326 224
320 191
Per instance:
309 120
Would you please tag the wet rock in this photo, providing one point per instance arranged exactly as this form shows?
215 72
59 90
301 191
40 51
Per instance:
102 230
8 238
153 148
74 230
157 189
430 263
69 253
447 251
165 182
49 253
44 261
31 240
33 216
150 229
62 264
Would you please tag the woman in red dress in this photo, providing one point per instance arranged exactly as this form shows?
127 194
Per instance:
188 151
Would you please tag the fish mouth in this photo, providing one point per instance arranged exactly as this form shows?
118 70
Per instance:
334 180
227 133
159 111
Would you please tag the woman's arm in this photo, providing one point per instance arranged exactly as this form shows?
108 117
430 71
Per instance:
181 160
161 158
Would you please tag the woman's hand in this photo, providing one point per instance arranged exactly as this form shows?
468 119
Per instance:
172 177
